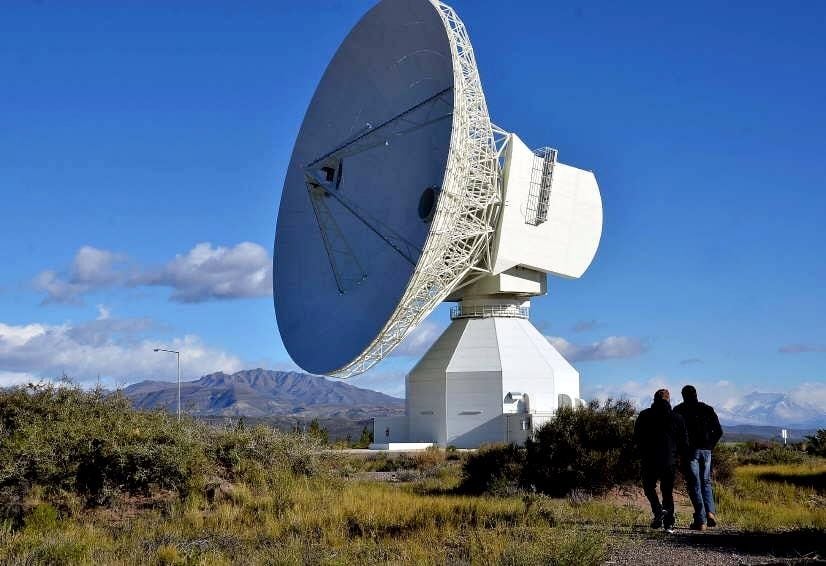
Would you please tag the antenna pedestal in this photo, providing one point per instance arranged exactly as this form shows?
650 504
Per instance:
490 377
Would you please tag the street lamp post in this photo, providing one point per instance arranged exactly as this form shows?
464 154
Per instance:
178 354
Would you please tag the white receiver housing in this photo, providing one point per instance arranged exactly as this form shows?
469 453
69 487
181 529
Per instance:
565 244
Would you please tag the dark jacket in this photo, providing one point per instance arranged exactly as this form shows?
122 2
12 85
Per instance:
704 430
661 436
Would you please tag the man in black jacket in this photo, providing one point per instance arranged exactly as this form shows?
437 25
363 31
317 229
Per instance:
704 432
661 436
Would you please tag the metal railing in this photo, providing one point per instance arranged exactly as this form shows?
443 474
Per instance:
539 194
485 311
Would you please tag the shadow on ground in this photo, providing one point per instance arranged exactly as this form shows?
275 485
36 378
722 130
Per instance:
799 543
817 481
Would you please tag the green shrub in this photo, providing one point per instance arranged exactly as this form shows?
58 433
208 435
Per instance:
589 448
89 443
66 438
768 453
723 462
816 444
318 432
495 469
365 439
243 451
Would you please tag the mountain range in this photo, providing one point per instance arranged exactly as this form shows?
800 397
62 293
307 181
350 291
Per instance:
287 396
265 393
772 409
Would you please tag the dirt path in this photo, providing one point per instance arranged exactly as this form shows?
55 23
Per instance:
716 547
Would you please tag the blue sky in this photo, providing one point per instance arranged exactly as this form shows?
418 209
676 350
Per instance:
132 132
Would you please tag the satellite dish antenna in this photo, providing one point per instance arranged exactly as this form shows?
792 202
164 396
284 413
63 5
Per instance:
401 194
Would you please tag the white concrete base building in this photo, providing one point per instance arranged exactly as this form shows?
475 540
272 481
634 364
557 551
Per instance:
488 378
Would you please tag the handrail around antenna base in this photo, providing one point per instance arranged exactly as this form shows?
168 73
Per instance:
486 311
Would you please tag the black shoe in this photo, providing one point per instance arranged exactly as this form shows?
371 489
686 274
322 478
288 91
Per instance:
657 522
668 521
711 519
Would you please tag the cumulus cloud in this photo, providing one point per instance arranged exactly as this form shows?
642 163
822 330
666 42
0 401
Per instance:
641 392
204 273
735 404
801 348
10 378
114 348
810 394
91 269
207 273
612 347
103 312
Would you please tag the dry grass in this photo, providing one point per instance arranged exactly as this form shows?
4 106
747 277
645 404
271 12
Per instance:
776 497
327 519
315 521
86 480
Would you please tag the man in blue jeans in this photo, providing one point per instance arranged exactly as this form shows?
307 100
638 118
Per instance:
704 432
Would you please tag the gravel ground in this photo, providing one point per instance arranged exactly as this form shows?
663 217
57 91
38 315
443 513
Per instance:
717 547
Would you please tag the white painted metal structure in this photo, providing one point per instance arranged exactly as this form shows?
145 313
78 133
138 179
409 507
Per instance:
400 119
403 52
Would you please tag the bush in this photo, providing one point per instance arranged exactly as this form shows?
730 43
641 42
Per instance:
589 448
768 453
92 444
723 462
248 453
495 469
365 439
816 444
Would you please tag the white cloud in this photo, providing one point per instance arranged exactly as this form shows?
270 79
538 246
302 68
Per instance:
735 404
810 394
103 312
9 378
91 268
94 266
113 348
204 273
612 347
641 392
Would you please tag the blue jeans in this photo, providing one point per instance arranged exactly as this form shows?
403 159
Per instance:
699 485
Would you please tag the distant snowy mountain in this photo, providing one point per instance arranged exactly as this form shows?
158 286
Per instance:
773 409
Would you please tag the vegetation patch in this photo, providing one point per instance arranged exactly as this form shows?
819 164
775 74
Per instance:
253 495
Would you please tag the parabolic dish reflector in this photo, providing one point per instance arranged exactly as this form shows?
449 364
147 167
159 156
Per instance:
392 192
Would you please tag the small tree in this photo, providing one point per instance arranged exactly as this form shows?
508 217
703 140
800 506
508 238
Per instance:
590 448
817 443
495 469
318 432
365 439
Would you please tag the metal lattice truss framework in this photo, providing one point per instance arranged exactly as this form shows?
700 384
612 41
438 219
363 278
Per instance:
463 228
